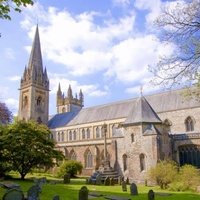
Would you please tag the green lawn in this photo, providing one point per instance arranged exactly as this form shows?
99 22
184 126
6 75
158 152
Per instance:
70 191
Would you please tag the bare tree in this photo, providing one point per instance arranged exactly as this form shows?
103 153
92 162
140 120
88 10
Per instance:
180 27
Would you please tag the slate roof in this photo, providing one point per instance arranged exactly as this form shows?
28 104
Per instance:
132 110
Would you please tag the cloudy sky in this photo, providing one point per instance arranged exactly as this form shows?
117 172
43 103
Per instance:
103 47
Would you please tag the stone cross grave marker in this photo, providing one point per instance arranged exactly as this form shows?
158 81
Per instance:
133 189
83 193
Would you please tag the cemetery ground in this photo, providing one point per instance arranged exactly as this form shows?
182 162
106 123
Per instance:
70 191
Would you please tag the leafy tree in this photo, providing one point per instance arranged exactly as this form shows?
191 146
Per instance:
6 5
5 114
179 25
25 145
71 167
190 177
165 172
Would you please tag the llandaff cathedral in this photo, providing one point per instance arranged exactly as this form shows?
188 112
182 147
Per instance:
133 134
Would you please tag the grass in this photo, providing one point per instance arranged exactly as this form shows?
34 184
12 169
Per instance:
70 191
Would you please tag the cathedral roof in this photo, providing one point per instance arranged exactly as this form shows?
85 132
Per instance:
142 112
133 110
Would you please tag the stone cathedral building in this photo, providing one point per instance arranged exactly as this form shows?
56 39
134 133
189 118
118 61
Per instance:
139 132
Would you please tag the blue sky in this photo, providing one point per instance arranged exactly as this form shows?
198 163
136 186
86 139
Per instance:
103 47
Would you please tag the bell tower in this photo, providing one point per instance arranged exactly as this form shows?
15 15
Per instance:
34 87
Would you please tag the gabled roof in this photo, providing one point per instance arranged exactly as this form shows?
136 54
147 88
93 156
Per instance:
142 112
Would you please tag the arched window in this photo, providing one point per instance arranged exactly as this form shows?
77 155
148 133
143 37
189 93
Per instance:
132 138
89 159
39 101
114 130
25 101
74 133
83 134
39 120
63 109
125 162
189 154
142 162
70 135
73 156
97 132
62 136
189 124
88 133
58 136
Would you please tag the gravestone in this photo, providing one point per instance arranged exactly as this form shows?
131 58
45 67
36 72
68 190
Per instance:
127 180
133 189
98 179
107 181
112 181
66 178
83 193
119 180
33 193
13 194
124 188
151 195
56 197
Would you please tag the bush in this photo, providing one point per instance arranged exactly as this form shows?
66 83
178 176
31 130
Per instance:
71 167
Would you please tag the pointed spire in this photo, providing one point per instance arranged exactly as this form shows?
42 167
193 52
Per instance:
59 92
35 60
69 93
81 96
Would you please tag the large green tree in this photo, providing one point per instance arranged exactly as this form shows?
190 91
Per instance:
179 26
7 5
26 145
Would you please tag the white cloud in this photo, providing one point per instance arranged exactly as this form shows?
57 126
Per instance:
9 54
14 78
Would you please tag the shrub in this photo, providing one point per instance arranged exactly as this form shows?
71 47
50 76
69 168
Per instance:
71 167
190 177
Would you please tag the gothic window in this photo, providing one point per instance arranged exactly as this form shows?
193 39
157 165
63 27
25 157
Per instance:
189 124
88 159
189 154
62 136
83 134
88 133
58 136
132 138
74 133
39 101
63 109
114 130
125 162
25 101
142 162
39 121
73 155
70 135
102 132
97 132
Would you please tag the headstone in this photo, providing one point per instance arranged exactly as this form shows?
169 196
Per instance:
89 180
119 180
107 181
13 194
124 188
133 189
98 179
33 193
112 181
83 193
127 181
66 178
56 197
151 195
35 180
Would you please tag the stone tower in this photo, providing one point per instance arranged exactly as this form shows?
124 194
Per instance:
69 103
34 87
